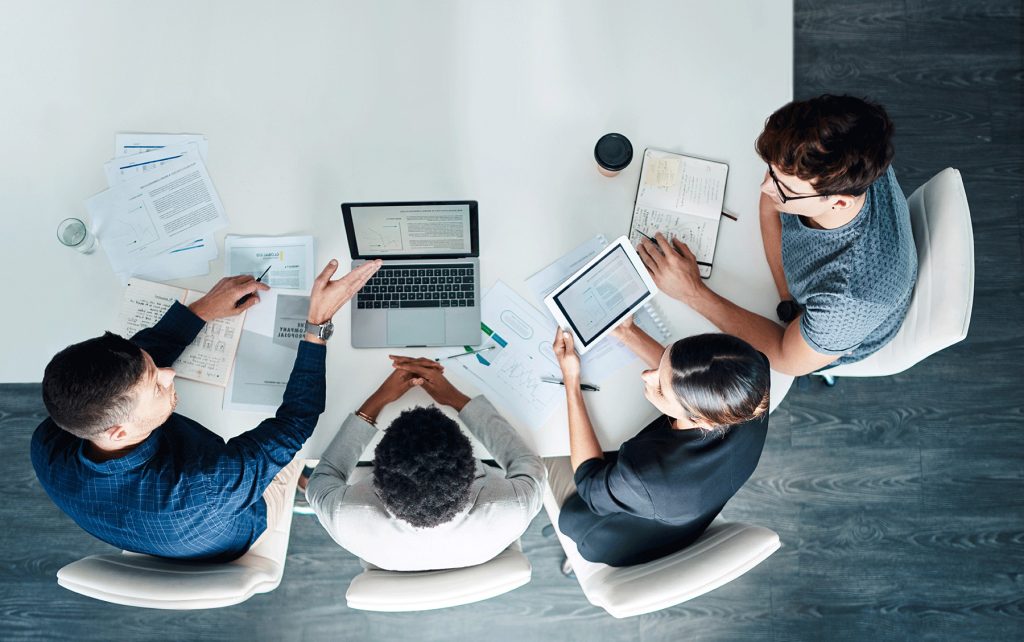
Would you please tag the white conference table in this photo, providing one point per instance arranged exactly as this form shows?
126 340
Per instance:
307 105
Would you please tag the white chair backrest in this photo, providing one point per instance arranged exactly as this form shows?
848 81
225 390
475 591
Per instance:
940 308
723 553
376 589
139 580
379 590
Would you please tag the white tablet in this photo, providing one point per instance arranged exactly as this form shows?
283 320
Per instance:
602 294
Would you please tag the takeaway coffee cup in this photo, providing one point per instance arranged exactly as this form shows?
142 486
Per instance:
613 154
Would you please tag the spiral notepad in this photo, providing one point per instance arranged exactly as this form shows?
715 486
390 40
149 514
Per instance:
649 319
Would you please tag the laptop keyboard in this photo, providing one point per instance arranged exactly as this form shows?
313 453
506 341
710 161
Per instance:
420 286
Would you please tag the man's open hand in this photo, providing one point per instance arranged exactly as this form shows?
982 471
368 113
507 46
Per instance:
327 296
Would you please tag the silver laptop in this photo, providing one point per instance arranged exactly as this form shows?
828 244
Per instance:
427 293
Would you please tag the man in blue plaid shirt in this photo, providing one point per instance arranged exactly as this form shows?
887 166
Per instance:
115 457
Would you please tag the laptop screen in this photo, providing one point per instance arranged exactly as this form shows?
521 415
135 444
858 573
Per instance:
410 229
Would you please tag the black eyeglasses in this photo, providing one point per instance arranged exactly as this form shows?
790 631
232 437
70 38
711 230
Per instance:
782 195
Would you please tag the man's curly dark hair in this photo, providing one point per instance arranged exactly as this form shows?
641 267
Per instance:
423 467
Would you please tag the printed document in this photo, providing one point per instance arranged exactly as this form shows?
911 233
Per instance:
290 259
147 153
152 213
208 359
510 373
266 352
189 259
123 168
126 144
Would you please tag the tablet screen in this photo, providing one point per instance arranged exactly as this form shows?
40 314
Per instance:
602 295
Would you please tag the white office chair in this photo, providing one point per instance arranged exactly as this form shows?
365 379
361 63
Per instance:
723 553
940 307
133 579
379 590
376 589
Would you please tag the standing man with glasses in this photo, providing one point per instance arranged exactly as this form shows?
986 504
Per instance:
836 231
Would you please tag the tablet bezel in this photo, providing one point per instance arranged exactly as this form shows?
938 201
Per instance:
553 306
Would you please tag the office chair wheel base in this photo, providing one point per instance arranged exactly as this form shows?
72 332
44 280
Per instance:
567 568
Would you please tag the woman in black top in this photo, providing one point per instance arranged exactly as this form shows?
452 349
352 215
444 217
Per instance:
664 486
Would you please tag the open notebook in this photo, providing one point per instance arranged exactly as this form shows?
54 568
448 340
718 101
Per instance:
208 359
681 197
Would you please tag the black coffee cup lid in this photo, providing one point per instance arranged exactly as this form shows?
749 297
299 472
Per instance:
613 152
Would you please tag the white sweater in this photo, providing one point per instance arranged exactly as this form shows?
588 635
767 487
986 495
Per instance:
500 509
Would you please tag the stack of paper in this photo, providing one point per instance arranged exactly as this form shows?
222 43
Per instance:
157 219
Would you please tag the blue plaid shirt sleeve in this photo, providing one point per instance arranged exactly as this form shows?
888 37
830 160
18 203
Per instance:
238 474
170 336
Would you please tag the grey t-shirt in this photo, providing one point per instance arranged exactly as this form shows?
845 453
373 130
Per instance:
854 282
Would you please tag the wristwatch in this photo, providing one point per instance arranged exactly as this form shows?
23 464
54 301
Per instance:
787 311
322 331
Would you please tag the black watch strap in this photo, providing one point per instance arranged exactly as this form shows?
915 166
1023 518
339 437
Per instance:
788 310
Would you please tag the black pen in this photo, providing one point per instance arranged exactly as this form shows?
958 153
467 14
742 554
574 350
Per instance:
644 235
583 386
249 296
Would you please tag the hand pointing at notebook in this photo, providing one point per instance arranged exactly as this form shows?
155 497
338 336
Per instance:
673 267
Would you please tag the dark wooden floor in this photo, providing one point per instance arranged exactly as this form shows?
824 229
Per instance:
900 502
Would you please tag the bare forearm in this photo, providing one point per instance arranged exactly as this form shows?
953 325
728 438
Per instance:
771 236
583 444
643 345
760 332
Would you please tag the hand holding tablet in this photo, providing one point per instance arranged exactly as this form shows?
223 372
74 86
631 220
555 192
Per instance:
602 294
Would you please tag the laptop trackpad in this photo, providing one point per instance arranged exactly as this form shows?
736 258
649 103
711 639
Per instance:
422 326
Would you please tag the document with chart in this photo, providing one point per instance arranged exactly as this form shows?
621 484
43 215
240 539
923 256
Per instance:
155 212
290 259
140 154
681 197
266 352
510 372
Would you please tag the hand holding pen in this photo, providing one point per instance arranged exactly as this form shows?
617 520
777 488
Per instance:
239 303
672 242
223 298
